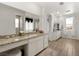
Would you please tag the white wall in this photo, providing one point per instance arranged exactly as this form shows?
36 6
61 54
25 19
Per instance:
55 34
26 6
43 24
7 19
76 26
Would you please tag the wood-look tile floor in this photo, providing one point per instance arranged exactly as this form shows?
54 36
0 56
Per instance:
62 47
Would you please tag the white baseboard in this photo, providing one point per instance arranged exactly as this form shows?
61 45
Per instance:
76 38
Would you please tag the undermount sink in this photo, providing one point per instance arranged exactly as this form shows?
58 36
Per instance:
16 39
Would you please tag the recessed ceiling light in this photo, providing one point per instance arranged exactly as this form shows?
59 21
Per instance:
61 3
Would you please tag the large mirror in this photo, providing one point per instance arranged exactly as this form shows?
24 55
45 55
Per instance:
31 24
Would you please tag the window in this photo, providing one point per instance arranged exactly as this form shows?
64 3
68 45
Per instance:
17 22
29 25
69 23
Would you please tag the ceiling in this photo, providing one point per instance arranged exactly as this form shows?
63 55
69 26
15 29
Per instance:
55 7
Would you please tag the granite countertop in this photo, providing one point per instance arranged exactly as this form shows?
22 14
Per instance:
19 38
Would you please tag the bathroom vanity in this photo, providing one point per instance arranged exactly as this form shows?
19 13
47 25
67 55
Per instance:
33 44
